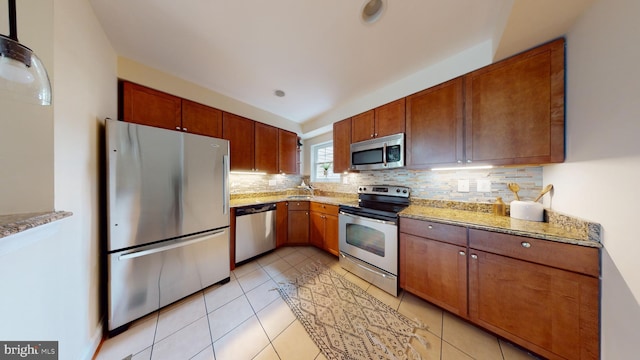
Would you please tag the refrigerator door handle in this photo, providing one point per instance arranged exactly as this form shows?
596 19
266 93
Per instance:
225 185
140 253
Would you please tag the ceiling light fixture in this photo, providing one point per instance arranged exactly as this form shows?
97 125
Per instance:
372 10
21 72
279 93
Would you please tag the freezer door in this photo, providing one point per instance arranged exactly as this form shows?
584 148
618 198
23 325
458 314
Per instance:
163 184
146 278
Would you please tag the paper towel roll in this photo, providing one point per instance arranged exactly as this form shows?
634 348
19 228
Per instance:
527 210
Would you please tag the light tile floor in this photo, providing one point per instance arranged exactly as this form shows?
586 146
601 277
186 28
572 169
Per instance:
247 319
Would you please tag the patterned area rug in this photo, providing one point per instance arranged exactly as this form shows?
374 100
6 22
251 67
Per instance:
346 322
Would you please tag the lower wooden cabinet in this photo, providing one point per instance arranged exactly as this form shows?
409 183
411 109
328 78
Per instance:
433 265
298 223
539 294
282 221
323 230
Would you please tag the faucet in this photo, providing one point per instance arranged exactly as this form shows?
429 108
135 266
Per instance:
307 187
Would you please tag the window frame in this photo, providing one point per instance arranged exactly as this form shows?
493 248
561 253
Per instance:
315 175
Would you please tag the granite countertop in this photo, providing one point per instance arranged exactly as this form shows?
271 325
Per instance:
504 224
13 224
557 227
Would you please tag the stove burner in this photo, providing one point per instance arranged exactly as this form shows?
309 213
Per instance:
382 202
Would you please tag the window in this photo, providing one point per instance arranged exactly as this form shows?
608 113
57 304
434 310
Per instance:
322 162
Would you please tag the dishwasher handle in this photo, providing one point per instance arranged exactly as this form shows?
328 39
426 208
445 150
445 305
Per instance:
255 209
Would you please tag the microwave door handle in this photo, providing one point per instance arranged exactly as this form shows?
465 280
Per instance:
384 154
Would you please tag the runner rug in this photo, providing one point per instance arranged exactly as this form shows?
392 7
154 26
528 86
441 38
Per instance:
345 321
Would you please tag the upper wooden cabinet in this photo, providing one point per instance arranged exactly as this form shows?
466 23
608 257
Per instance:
514 109
435 125
266 148
142 105
287 152
240 133
201 119
385 120
342 146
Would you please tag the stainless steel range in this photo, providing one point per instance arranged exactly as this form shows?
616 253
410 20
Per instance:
368 235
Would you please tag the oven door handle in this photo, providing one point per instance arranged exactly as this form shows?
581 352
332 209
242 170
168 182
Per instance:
367 219
364 267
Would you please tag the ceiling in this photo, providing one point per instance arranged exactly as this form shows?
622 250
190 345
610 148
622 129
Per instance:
320 53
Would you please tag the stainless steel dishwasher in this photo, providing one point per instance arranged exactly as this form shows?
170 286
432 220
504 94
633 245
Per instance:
255 230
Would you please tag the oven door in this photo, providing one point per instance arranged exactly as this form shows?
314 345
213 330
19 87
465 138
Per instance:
370 240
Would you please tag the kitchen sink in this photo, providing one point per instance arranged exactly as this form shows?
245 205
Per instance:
299 197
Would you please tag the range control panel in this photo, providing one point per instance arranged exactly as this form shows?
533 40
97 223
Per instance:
399 191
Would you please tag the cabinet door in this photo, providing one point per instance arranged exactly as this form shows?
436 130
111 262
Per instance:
435 126
201 119
316 229
549 311
515 109
390 118
331 227
240 133
298 227
282 219
145 106
363 126
287 151
435 271
342 146
266 148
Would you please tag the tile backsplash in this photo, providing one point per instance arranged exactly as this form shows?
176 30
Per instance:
436 185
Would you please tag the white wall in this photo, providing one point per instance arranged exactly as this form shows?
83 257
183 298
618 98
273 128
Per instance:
54 276
599 179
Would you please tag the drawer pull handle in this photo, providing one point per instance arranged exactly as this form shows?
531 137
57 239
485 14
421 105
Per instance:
474 256
462 253
430 226
525 244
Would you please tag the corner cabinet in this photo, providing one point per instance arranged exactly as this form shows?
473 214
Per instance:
514 109
342 146
433 263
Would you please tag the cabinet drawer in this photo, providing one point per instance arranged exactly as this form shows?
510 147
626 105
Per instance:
298 205
452 234
324 208
570 257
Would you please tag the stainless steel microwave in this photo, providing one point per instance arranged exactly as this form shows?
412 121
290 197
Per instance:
385 152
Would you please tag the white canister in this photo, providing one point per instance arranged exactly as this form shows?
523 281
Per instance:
527 210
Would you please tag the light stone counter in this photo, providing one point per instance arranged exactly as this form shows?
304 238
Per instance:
13 224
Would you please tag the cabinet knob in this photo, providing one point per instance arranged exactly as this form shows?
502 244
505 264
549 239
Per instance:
178 128
286 204
376 134
184 129
430 226
525 244
371 135
306 213
461 253
469 161
474 256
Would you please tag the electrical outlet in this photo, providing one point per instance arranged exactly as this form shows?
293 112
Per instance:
463 185
272 182
345 179
484 185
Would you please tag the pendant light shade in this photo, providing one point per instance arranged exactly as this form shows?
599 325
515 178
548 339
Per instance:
22 74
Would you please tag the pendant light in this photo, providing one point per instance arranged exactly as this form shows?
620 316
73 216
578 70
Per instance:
21 72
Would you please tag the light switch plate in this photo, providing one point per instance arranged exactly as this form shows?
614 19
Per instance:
463 185
484 185
272 183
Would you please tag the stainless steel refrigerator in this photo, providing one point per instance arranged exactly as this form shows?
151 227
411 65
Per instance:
167 217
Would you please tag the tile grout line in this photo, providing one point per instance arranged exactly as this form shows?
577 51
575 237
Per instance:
206 311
